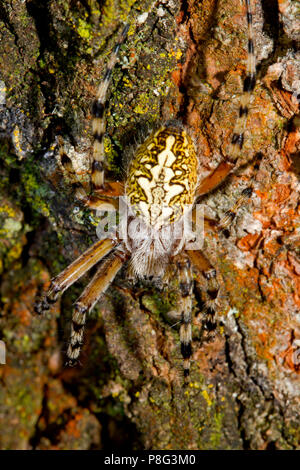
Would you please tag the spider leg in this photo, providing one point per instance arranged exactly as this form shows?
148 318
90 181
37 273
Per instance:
213 180
184 310
231 213
81 189
111 189
98 128
105 201
91 294
237 141
102 197
211 292
102 204
74 271
98 111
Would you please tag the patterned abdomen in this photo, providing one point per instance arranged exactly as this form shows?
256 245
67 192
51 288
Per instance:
162 176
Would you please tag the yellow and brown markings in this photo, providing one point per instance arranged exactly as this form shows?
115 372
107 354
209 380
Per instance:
162 176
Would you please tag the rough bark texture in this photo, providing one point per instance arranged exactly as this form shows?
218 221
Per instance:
181 59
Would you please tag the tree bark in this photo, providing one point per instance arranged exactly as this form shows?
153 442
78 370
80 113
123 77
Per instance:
181 60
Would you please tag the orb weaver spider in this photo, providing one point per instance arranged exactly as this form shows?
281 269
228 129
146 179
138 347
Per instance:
162 188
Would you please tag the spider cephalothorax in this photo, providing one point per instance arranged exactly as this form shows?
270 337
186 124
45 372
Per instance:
160 192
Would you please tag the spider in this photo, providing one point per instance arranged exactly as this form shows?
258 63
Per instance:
161 190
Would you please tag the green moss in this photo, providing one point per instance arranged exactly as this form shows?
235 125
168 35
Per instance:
216 430
84 29
159 303
35 191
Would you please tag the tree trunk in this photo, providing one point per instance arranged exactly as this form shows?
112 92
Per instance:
181 60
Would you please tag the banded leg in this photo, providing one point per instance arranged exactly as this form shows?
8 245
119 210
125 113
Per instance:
98 111
73 272
237 140
79 188
183 312
104 199
230 215
224 168
91 294
210 293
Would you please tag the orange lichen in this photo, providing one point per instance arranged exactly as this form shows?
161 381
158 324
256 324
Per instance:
176 76
292 142
248 242
72 426
291 358
281 193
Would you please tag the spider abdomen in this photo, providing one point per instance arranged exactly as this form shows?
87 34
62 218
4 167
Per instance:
162 177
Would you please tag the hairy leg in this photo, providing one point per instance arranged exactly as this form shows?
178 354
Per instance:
91 294
111 189
230 215
99 123
74 271
81 189
209 294
237 140
183 311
